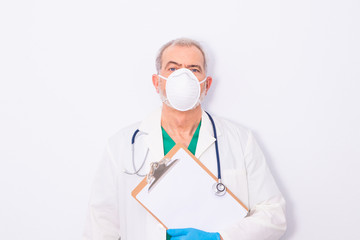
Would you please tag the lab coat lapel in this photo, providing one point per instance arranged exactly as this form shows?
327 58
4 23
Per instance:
206 135
151 126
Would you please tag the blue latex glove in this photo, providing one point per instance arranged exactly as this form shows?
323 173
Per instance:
192 234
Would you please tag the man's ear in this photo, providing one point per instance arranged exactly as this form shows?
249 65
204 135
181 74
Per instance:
208 83
156 82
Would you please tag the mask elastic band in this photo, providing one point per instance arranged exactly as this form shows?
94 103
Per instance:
167 79
162 77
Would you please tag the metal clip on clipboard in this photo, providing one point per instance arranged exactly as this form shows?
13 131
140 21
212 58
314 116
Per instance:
158 170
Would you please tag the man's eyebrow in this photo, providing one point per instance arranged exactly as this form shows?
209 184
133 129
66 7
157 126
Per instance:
194 66
172 62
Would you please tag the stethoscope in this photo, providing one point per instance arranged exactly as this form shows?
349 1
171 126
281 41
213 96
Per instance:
219 188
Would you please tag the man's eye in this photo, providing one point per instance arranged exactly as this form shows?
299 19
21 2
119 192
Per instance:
172 69
194 70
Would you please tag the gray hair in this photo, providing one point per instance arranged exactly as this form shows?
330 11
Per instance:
184 42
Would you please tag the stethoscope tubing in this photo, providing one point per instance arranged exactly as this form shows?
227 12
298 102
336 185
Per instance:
216 146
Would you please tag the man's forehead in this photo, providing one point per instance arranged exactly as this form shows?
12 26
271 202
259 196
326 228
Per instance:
183 55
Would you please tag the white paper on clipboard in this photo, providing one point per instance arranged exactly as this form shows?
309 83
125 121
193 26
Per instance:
184 197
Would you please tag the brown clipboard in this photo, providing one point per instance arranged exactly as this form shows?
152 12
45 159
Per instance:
170 154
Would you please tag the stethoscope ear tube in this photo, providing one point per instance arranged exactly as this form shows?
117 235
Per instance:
136 171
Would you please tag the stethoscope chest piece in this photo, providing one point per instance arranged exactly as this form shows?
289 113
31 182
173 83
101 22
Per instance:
219 189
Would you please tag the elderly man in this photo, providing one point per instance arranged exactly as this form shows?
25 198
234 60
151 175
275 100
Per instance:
182 83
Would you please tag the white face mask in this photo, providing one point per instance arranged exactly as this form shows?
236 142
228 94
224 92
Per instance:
182 90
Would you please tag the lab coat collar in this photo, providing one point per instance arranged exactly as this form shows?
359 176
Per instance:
206 135
151 126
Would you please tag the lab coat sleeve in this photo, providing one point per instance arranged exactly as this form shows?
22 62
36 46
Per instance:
266 219
103 216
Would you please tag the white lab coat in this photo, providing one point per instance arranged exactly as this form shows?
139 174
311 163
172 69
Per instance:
114 213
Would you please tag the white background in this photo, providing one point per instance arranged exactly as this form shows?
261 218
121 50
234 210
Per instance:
73 72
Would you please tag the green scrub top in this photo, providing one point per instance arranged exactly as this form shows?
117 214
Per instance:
169 143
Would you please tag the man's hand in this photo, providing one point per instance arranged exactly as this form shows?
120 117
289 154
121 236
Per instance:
192 234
